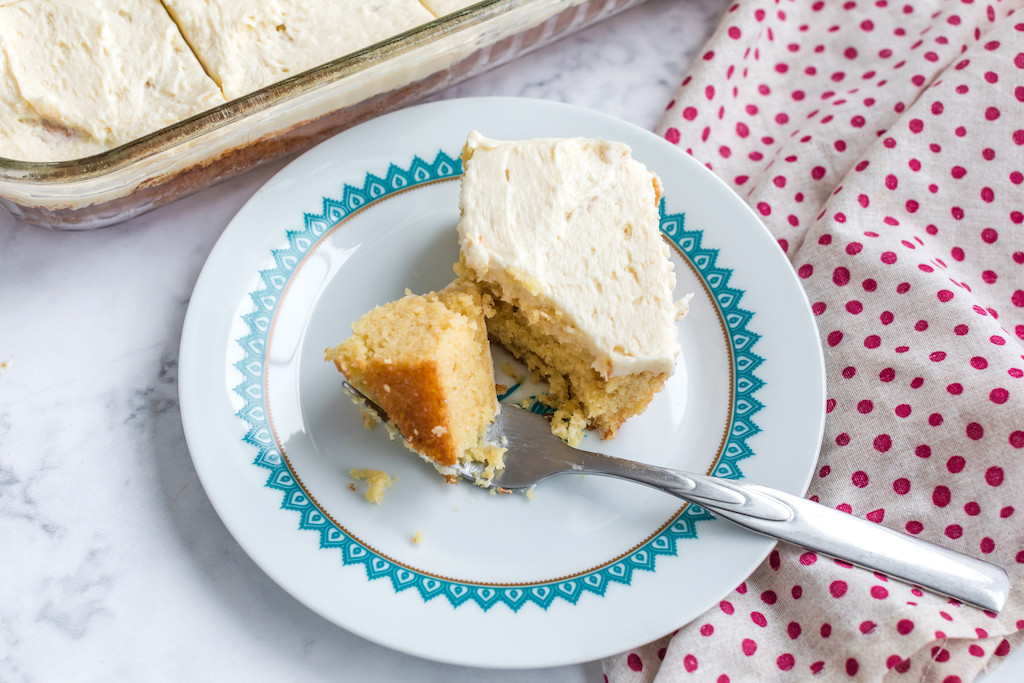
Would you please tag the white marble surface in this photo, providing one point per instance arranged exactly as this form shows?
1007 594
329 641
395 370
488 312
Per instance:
113 564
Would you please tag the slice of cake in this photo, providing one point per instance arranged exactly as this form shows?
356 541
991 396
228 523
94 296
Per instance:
425 359
563 235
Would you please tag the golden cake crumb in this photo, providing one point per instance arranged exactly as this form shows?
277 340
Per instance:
417 537
377 480
568 423
510 371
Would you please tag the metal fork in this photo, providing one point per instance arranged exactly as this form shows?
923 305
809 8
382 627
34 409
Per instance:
535 454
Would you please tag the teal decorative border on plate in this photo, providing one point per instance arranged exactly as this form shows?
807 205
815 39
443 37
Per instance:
259 434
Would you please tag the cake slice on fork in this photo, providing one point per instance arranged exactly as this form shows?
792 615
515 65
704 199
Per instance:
426 360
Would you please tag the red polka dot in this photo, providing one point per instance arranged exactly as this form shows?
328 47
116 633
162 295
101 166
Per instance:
758 619
904 626
690 662
749 646
726 607
882 443
785 661
852 667
994 476
633 662
837 589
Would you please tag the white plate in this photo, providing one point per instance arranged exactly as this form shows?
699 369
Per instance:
590 566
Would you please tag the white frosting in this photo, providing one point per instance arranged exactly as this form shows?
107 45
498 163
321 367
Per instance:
441 8
247 45
572 225
78 77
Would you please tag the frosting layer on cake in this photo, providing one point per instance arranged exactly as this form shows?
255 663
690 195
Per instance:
568 229
78 77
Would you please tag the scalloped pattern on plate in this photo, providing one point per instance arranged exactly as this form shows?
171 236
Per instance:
260 436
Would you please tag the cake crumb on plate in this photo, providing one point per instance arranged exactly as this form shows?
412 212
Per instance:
377 480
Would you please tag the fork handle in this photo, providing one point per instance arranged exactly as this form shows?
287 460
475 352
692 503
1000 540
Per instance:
824 530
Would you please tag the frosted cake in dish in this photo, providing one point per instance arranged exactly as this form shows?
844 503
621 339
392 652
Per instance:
78 77
247 45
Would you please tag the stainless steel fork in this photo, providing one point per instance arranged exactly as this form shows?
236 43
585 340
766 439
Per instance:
535 454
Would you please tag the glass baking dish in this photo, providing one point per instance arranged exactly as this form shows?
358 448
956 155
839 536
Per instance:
288 116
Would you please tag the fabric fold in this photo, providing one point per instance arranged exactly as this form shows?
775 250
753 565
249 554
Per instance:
882 145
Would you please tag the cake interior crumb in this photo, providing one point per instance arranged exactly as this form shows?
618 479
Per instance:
417 537
376 480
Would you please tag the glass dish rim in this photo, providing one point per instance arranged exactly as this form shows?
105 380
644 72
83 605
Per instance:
167 138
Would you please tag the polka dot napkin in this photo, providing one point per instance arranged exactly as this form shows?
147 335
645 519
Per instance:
882 143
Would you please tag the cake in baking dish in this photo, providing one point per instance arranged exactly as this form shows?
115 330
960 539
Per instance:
78 77
563 235
426 361
247 45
